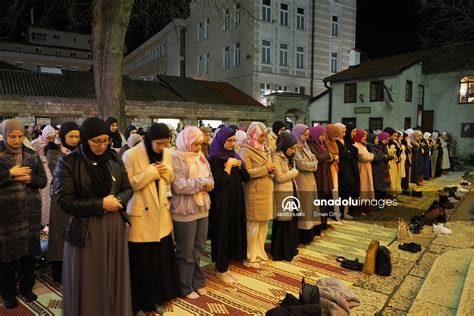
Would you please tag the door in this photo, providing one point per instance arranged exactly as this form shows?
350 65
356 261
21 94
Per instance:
427 120
349 121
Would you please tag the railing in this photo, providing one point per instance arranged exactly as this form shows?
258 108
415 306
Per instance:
268 69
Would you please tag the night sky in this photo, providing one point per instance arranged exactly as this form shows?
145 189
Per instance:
386 27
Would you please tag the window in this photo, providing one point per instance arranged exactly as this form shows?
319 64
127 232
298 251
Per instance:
59 52
284 14
226 19
266 52
200 32
200 65
237 14
72 54
19 63
236 54
300 57
421 95
206 28
466 90
18 48
207 65
375 123
283 88
265 88
300 19
376 91
334 62
41 37
56 37
39 50
300 90
284 55
267 11
409 91
335 26
89 55
226 58
407 123
350 92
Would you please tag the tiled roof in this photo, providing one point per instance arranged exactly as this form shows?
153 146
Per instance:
387 66
78 84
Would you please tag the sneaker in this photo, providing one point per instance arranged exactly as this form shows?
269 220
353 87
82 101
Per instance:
254 265
192 296
10 302
202 291
225 277
440 229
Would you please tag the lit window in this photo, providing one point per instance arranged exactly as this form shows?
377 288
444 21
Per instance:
466 90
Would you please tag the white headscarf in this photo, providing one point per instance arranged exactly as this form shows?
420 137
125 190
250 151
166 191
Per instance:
426 135
254 131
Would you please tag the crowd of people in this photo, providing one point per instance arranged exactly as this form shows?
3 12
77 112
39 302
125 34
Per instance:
129 215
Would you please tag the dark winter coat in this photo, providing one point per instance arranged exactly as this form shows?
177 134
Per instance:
74 194
349 182
20 207
379 165
323 174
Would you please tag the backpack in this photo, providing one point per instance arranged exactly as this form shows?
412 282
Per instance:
383 262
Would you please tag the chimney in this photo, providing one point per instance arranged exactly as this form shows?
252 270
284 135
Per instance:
354 57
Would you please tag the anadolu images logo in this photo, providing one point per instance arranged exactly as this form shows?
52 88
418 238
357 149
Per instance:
290 204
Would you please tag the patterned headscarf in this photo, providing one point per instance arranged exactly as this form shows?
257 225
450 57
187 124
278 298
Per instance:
254 131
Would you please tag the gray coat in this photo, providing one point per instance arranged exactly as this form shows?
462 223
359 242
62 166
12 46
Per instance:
20 213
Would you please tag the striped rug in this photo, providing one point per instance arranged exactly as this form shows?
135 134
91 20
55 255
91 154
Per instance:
256 291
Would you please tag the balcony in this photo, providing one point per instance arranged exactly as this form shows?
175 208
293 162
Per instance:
268 69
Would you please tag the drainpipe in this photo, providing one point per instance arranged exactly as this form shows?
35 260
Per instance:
312 48
330 101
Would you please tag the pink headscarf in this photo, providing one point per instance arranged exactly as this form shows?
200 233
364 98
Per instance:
315 133
359 135
383 136
254 131
188 136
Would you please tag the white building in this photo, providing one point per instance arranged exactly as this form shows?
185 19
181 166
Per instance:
49 48
433 90
258 46
162 54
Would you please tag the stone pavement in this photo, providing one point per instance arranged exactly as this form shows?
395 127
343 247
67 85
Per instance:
439 280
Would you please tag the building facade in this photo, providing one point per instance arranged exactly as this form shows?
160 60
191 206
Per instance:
261 46
49 48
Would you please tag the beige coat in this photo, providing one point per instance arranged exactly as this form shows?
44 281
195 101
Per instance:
395 180
307 164
365 172
259 190
149 208
282 181
271 141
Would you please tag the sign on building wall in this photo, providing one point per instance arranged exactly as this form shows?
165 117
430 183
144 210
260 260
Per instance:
362 110
43 121
467 130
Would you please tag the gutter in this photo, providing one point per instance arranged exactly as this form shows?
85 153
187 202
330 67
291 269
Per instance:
330 101
312 49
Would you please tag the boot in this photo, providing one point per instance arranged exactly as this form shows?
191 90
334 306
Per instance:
444 202
369 263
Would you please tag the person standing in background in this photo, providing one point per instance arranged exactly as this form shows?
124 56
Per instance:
118 140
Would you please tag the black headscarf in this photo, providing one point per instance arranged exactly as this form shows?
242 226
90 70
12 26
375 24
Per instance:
348 138
277 126
156 131
128 130
98 170
116 137
389 130
66 127
285 141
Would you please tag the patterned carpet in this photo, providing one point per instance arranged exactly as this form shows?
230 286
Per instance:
257 290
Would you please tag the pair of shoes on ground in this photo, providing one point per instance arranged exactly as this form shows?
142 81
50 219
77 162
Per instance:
411 247
227 277
197 294
441 229
12 302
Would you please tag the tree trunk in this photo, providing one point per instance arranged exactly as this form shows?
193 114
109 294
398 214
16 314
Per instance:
110 20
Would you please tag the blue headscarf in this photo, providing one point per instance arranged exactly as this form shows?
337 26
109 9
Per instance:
217 147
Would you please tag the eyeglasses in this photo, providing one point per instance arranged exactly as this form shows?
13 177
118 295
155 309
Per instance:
99 142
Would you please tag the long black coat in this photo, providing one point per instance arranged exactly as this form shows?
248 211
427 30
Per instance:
349 179
379 165
20 207
227 215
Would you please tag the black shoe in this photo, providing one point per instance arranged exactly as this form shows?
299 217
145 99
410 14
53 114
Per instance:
30 296
406 192
411 247
10 302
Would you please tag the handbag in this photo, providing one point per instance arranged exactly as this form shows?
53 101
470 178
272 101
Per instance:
350 264
369 263
402 231
309 294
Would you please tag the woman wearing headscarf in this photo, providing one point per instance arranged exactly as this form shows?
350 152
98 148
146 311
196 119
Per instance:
317 145
21 175
445 164
349 182
406 148
190 209
91 186
365 170
384 138
130 130
69 135
277 128
240 140
48 136
417 158
427 155
118 140
334 133
395 180
258 193
306 164
285 227
132 141
402 159
434 153
228 220
207 140
379 164
153 270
